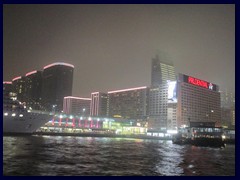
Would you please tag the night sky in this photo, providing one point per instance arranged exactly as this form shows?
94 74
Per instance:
111 46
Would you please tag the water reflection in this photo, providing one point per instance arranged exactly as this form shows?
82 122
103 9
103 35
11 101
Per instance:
48 155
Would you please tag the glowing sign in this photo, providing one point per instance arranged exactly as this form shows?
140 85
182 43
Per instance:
199 82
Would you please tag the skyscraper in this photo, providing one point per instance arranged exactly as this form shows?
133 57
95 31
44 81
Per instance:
162 71
162 110
57 84
19 87
33 93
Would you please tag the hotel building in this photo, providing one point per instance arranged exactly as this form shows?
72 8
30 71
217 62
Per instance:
33 93
128 103
98 105
57 84
76 106
198 101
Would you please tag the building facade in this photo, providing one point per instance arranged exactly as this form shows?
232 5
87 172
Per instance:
227 109
98 105
128 103
57 80
198 101
33 93
162 72
163 107
19 87
76 106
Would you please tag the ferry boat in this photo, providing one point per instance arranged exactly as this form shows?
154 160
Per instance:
18 119
200 134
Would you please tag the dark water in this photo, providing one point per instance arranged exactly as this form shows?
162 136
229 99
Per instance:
55 155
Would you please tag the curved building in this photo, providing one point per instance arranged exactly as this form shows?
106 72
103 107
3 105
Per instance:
57 80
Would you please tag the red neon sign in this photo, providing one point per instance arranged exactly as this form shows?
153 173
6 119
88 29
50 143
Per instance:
197 82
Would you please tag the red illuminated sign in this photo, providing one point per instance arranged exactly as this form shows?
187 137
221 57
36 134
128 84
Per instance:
198 82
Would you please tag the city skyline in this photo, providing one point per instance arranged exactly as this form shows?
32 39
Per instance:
111 46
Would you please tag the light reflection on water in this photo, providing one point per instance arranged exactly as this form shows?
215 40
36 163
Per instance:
57 155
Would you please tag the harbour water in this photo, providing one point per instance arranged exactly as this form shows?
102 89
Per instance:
92 156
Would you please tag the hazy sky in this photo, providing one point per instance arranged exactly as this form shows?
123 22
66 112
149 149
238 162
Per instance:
111 46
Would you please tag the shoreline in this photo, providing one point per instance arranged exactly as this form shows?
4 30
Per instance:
87 135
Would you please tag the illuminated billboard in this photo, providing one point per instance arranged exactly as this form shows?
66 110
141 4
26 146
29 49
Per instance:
172 91
199 82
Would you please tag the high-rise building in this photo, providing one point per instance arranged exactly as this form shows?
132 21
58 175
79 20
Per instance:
162 71
98 105
227 109
198 101
76 106
19 87
33 93
163 107
7 86
57 84
128 103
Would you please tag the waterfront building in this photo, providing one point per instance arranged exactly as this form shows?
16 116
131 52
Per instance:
162 71
33 93
7 86
128 103
227 109
162 110
163 107
19 87
98 105
198 101
76 106
57 84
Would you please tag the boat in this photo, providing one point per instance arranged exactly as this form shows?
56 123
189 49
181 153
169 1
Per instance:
200 134
19 119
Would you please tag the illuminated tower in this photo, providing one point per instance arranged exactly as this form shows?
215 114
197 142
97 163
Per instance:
57 84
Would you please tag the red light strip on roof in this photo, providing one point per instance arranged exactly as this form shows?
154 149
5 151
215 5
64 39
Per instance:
72 97
16 78
7 82
130 89
58 63
32 72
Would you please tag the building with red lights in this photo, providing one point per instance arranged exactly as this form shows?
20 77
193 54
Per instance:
128 103
57 84
76 106
198 101
98 105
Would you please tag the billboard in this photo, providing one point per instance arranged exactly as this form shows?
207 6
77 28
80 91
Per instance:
199 82
172 91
